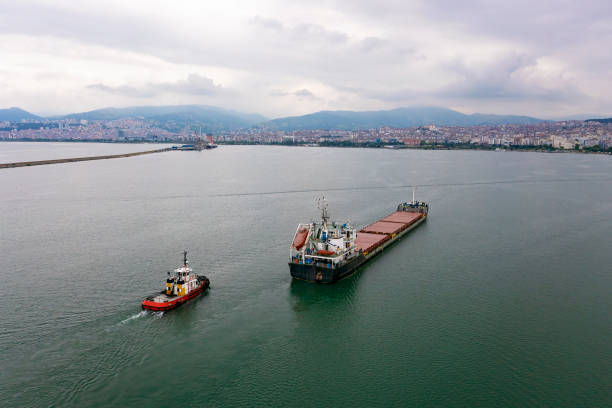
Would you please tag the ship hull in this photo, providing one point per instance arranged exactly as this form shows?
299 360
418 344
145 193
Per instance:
174 302
322 274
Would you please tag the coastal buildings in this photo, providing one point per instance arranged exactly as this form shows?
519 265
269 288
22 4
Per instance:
559 135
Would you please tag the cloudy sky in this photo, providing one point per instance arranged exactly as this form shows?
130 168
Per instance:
541 58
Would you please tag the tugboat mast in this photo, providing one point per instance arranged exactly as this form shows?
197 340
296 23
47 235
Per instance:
185 258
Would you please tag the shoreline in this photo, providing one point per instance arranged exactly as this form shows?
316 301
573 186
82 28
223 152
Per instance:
371 145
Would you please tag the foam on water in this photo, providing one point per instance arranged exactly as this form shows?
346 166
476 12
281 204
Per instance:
143 313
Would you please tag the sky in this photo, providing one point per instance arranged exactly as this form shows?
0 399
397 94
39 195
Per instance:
547 59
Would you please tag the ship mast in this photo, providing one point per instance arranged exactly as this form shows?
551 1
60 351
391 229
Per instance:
322 204
185 258
413 191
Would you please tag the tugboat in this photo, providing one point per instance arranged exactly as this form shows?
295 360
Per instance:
180 287
325 252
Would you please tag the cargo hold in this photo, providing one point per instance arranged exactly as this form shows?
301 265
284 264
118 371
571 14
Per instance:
402 217
367 242
383 227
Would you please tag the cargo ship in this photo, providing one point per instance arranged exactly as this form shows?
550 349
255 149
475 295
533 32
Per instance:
180 287
327 251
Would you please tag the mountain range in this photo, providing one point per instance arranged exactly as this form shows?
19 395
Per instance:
603 120
400 117
213 119
209 118
15 115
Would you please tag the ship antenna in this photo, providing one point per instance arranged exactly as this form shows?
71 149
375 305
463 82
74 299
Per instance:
185 258
413 191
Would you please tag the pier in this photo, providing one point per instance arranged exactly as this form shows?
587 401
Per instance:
78 159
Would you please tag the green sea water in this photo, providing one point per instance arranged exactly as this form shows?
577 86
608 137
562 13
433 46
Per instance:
502 298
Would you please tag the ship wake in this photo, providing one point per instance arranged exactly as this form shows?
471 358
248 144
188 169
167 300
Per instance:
140 315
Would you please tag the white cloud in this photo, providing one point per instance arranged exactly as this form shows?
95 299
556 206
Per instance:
194 84
279 58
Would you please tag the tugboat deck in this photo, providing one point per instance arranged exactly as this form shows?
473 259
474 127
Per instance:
162 297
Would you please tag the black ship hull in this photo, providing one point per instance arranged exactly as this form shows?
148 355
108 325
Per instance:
320 273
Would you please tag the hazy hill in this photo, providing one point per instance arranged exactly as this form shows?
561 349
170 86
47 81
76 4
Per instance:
15 115
213 119
210 118
606 120
401 117
577 116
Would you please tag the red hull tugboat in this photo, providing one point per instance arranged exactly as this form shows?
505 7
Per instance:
180 288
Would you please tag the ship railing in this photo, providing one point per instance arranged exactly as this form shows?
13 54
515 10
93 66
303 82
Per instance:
326 258
331 259
318 261
326 263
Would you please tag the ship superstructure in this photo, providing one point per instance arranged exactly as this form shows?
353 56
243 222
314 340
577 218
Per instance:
180 287
323 244
325 252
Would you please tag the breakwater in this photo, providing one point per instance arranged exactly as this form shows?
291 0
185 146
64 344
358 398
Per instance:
77 159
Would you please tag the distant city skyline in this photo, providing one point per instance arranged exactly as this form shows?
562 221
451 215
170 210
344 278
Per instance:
545 59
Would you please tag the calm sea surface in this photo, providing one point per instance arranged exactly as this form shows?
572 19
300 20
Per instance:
503 298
